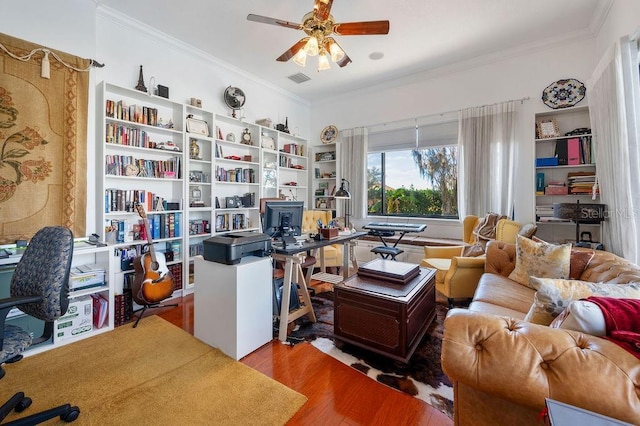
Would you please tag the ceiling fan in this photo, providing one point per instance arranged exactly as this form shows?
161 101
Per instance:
319 26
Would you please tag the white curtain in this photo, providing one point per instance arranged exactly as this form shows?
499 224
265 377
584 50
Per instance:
486 149
614 108
353 160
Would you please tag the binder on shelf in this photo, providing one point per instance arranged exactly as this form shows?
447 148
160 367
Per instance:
573 152
561 152
100 310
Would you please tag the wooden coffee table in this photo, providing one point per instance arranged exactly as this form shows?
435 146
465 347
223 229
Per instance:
389 319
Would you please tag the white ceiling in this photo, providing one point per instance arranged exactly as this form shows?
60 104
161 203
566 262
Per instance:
423 34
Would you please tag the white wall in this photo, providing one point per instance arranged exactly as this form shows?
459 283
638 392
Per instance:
466 85
79 28
66 25
623 19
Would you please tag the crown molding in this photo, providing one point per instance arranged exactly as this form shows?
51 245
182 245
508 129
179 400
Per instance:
600 15
464 65
155 34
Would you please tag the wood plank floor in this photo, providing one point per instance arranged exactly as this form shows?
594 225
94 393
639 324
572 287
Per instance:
337 394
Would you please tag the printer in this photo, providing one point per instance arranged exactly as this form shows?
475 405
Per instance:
230 248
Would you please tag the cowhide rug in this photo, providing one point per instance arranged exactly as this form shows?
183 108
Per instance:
422 377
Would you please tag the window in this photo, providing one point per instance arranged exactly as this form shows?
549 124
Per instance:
413 172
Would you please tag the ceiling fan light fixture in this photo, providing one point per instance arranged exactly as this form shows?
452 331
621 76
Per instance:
311 48
323 62
300 58
337 54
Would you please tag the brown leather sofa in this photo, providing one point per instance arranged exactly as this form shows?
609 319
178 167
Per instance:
502 368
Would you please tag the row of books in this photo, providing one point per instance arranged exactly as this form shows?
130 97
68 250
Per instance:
125 200
176 272
161 226
135 113
123 305
117 165
294 148
122 135
196 249
235 175
288 162
199 227
231 222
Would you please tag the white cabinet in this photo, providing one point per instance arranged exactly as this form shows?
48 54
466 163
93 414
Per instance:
233 305
324 177
565 170
79 317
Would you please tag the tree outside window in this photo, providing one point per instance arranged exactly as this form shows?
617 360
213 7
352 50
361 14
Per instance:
416 183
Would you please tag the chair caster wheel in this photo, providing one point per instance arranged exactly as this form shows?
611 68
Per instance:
70 415
23 404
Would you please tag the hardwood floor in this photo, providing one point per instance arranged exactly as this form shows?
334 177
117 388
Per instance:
337 394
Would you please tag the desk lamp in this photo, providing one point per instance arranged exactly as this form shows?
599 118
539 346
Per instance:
343 193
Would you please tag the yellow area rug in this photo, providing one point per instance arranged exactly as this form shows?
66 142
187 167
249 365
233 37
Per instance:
156 374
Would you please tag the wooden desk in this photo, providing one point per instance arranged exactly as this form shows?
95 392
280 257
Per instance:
291 256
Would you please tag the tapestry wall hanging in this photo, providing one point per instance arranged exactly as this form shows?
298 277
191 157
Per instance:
43 137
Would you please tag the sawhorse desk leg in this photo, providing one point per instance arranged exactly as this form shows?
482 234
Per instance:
292 269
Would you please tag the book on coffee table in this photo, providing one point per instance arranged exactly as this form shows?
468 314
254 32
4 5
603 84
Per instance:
389 270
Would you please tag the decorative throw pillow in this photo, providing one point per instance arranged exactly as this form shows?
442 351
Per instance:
583 316
540 259
473 250
554 295
528 230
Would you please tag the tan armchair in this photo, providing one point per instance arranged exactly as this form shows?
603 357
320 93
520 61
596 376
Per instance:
332 253
457 276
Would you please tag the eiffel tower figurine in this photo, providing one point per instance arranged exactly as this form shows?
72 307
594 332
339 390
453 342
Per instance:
141 87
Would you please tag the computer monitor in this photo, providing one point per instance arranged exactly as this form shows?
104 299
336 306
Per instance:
283 220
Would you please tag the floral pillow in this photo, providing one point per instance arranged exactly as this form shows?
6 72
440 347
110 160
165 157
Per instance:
554 295
540 259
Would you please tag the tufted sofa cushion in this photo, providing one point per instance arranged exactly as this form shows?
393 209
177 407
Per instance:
478 350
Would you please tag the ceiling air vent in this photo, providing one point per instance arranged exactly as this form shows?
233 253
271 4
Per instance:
299 78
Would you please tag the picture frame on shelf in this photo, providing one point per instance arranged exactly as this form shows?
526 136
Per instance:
547 128
199 127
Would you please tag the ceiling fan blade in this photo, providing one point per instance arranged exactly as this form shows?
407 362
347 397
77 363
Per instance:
273 21
322 9
292 50
362 28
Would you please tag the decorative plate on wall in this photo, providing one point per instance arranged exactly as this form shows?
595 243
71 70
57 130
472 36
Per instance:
563 93
329 134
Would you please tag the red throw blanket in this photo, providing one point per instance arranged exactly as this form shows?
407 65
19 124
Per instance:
622 319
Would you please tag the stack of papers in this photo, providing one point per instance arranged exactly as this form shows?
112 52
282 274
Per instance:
86 276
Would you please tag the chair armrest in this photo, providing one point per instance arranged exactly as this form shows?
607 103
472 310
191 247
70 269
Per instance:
467 262
442 252
8 303
525 363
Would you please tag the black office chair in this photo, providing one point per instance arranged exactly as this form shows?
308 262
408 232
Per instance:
39 288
